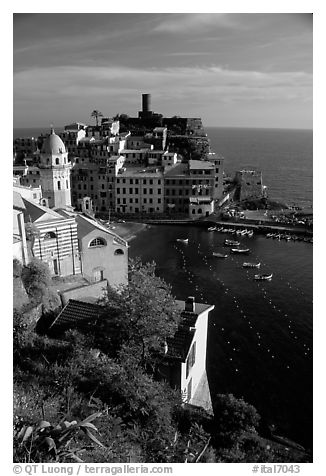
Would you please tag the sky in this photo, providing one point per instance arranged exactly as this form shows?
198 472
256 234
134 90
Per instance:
232 70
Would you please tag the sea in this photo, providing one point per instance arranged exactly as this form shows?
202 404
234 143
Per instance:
260 333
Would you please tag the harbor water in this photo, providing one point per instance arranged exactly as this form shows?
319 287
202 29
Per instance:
260 332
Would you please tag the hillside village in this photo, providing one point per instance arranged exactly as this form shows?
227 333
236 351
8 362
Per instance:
79 300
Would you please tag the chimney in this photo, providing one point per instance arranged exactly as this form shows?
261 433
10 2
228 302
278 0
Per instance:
190 304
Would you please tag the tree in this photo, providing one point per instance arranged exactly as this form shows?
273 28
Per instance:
36 278
233 418
96 114
121 117
144 313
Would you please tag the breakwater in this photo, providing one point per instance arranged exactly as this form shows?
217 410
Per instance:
249 225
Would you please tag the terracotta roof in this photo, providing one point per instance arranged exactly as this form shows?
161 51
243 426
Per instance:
76 314
200 164
179 344
18 201
33 211
86 225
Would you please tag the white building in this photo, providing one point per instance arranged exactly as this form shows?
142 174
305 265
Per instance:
185 363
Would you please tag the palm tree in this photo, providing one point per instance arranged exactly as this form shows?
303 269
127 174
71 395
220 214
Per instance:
96 114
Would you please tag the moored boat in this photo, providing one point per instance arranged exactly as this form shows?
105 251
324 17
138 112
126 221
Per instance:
219 255
240 250
251 265
231 243
263 277
183 240
211 228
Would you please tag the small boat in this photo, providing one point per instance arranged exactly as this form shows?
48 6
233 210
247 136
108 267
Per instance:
251 265
211 228
250 233
183 240
240 250
263 277
231 243
219 255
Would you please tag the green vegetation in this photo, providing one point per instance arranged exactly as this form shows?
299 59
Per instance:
188 147
92 395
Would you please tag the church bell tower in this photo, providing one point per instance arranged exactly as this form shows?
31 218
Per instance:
55 172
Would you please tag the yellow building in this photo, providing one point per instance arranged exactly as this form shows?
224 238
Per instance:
139 190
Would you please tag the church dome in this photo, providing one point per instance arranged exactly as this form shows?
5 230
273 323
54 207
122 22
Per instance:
53 144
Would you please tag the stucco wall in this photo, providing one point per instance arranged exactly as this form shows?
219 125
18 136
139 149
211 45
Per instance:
115 267
199 368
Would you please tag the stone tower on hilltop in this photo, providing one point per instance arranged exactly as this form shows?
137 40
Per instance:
55 172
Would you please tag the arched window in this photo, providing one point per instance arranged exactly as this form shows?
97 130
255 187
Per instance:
57 161
193 211
119 251
200 211
97 242
49 235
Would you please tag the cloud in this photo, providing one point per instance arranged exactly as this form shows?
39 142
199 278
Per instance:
62 91
192 22
168 82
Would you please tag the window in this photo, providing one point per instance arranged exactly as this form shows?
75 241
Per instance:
49 235
97 242
57 161
159 191
119 251
59 185
130 190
